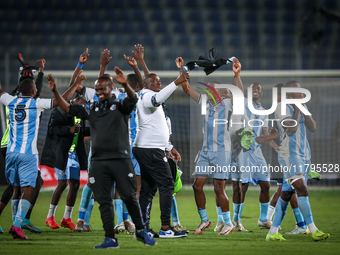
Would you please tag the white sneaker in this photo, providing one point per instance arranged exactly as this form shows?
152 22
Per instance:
298 231
79 226
120 228
267 224
129 227
238 226
219 226
227 229
171 233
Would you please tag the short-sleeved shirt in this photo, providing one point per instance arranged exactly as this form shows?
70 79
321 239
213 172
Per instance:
292 145
24 113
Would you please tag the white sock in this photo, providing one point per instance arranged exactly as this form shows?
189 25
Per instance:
273 230
68 212
312 228
270 214
174 223
51 211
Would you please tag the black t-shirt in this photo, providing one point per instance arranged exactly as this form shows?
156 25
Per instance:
109 126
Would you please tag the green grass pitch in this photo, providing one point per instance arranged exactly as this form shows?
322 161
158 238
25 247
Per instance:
325 207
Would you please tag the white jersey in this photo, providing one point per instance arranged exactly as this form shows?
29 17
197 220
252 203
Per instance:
152 128
24 113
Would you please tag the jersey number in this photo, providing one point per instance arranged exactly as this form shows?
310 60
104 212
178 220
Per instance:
20 113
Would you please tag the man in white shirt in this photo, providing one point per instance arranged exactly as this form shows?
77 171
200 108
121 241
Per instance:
149 149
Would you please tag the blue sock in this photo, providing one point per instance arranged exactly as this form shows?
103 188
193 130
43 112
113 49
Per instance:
219 213
226 218
119 210
299 218
174 212
264 211
305 209
14 207
88 212
280 212
125 212
203 214
84 202
23 208
240 212
236 210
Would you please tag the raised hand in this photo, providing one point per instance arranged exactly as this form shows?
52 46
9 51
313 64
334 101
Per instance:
120 77
182 78
41 64
179 62
80 78
236 66
105 57
131 61
51 83
139 54
84 57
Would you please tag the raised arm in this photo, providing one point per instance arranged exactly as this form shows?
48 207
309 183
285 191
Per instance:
82 60
139 56
132 62
58 99
39 80
185 85
237 78
120 78
104 61
69 93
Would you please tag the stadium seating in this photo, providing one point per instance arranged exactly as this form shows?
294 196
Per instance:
199 25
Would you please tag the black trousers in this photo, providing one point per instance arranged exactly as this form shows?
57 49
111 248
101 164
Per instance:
155 173
101 176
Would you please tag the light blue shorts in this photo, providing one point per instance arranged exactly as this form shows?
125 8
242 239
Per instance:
235 172
213 164
134 162
293 166
255 162
22 169
72 170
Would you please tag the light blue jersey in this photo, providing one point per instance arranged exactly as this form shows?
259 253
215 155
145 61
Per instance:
253 160
292 145
24 113
132 121
255 123
216 134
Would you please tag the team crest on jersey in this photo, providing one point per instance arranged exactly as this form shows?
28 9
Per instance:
165 159
113 107
96 109
92 180
130 175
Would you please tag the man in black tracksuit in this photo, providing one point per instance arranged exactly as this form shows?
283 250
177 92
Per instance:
110 153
